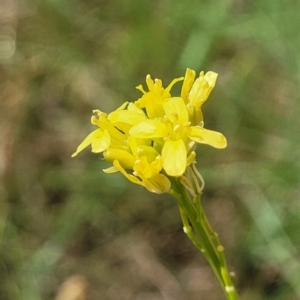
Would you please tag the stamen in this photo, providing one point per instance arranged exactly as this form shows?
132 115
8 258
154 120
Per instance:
140 88
185 182
97 111
94 120
199 176
198 188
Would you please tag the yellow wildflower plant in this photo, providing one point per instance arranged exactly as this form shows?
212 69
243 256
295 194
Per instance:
156 130
177 134
153 141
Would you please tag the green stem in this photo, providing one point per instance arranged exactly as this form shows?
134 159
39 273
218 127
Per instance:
199 231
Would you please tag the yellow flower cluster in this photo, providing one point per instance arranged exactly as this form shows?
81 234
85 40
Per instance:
155 137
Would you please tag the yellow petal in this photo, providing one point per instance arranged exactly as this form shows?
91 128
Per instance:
176 110
191 158
110 170
174 157
126 116
123 106
147 151
149 129
209 137
104 123
130 177
143 168
158 184
211 78
133 145
156 165
96 134
151 101
135 108
187 84
202 88
125 159
101 143
167 90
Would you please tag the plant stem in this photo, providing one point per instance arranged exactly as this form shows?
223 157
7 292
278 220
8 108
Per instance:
199 231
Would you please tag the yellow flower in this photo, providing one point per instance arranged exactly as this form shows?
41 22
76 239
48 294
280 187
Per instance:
113 129
144 164
157 183
152 100
195 92
101 138
156 136
177 134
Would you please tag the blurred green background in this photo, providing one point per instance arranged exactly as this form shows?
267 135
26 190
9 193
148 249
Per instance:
66 227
